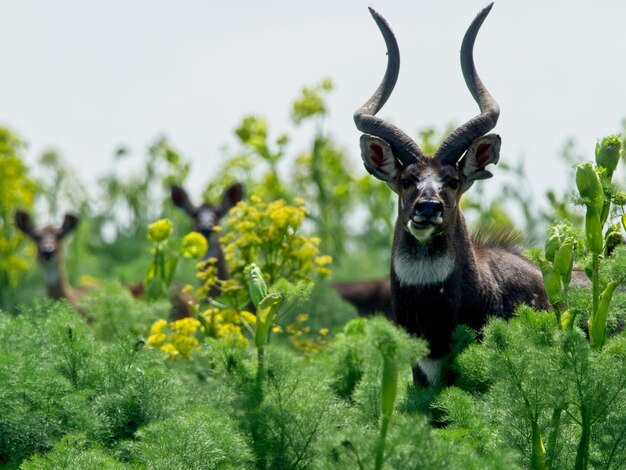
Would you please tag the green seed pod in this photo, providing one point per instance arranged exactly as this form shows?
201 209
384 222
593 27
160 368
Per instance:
553 243
607 154
613 240
389 386
551 282
593 230
567 319
597 321
589 186
564 261
257 286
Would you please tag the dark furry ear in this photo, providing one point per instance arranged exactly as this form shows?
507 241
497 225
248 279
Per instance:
70 222
379 159
484 151
232 196
181 199
24 222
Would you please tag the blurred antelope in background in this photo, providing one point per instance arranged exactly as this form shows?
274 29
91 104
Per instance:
206 217
367 297
49 241
440 276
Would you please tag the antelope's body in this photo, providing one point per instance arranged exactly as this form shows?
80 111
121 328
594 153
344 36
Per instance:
368 296
440 277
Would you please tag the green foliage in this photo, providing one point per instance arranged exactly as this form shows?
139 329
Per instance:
116 313
57 380
76 452
138 195
17 191
202 438
166 254
61 186
558 406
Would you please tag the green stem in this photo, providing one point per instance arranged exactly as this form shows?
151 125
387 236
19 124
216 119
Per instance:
595 282
557 312
554 436
538 458
260 373
582 454
389 391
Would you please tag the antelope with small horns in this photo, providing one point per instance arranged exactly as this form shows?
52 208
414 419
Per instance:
440 276
49 240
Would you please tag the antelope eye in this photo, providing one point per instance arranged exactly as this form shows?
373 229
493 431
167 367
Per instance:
453 183
406 183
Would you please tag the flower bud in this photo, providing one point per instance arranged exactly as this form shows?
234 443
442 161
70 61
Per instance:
607 154
567 319
593 230
160 230
553 243
564 261
257 286
589 186
194 245
551 282
597 321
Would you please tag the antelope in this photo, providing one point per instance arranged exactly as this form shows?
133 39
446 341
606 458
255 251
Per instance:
367 297
440 276
206 217
50 255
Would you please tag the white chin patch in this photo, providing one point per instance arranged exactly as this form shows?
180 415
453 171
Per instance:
421 235
50 273
422 271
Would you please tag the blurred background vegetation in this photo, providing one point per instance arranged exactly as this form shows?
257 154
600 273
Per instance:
352 213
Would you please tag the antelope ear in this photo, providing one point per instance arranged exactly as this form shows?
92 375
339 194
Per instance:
181 199
484 151
24 222
232 196
379 160
70 222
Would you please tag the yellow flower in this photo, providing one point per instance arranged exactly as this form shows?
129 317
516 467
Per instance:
160 230
170 350
324 331
250 318
156 339
185 326
232 332
158 326
194 245
184 344
323 260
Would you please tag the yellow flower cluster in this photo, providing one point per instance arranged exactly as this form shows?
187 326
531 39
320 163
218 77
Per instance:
160 230
18 192
177 338
299 334
194 245
267 234
227 324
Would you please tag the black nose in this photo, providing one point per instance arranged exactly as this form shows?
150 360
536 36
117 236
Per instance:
428 208
47 253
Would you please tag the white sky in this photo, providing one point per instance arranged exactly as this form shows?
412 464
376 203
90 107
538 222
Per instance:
84 77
